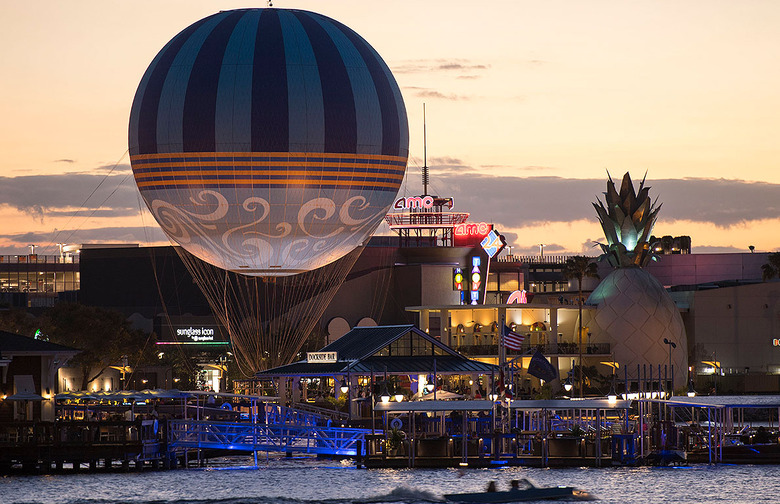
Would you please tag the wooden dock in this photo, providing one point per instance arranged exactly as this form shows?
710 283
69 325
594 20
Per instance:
72 446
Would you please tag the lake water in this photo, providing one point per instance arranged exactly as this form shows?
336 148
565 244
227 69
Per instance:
311 481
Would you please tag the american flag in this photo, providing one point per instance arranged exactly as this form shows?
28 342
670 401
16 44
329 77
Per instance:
512 340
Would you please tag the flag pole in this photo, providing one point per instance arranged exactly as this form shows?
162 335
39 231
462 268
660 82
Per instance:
502 345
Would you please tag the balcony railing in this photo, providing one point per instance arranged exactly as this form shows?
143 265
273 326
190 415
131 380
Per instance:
39 259
546 348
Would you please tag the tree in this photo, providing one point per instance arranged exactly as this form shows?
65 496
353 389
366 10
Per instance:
103 336
18 321
578 268
771 269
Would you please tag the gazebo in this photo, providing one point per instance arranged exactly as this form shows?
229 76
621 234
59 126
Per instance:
380 363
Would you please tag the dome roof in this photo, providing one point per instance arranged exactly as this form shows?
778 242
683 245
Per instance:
268 80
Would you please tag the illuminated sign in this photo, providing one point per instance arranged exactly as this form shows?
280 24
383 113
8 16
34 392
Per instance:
476 279
470 234
457 279
191 331
493 243
197 333
413 202
518 297
322 357
776 342
480 229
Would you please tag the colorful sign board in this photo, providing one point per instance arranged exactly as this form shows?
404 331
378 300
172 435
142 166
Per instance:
457 279
476 279
493 243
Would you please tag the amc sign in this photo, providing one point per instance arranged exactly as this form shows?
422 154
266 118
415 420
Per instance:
471 233
413 202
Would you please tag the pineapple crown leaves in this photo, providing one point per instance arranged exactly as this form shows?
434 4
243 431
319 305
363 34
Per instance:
627 218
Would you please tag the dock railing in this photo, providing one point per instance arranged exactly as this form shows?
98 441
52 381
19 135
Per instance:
283 438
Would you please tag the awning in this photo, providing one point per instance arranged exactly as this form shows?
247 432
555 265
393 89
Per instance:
401 407
25 389
568 404
24 396
762 401
441 395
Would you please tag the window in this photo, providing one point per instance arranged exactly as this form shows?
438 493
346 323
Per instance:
492 282
510 281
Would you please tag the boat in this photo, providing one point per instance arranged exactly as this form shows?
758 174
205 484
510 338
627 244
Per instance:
516 494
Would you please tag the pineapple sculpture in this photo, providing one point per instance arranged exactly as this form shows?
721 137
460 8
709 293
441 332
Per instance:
634 312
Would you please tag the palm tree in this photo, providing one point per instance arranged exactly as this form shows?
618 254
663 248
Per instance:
771 269
579 268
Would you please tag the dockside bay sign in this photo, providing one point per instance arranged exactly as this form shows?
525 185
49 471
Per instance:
322 356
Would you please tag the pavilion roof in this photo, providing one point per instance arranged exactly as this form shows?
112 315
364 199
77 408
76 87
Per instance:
357 351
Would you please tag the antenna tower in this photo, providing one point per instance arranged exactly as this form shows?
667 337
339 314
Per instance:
425 175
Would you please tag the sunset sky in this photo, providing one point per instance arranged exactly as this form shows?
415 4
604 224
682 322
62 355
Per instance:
529 105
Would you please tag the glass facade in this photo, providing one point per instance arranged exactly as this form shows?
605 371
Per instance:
36 280
411 345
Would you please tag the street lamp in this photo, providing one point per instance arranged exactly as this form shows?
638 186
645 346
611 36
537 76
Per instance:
385 396
493 396
672 345
568 385
691 390
612 395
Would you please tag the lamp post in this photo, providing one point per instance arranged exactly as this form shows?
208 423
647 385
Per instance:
124 370
672 345
568 385
691 390
612 395
385 397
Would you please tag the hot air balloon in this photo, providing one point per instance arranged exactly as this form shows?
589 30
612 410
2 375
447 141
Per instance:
268 141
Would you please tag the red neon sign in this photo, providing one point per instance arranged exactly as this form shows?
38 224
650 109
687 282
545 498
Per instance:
470 234
518 296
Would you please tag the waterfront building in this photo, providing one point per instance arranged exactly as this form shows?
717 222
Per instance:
367 364
731 349
34 281
30 371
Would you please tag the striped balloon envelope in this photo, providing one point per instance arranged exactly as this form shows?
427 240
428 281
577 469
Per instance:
268 141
